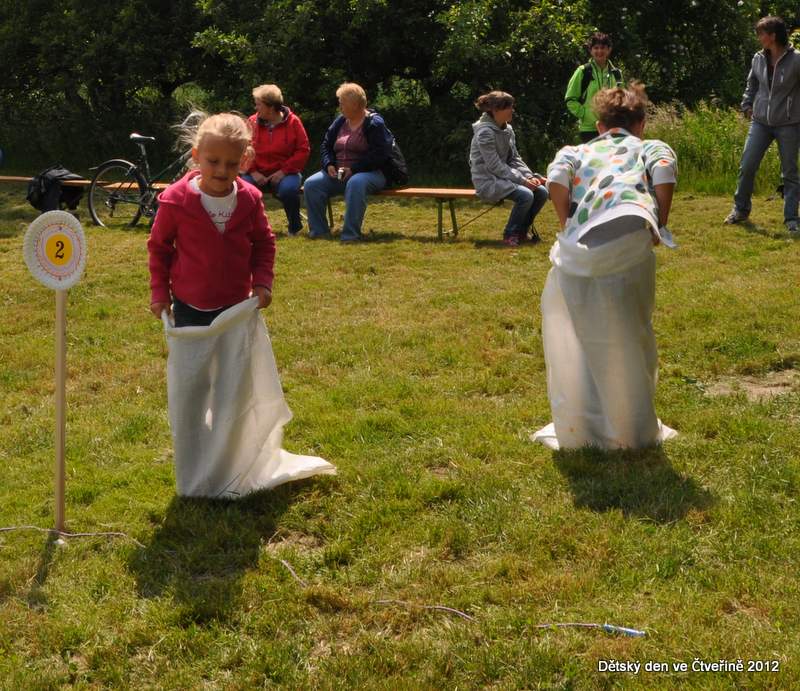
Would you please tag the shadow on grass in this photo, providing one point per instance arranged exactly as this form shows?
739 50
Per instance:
377 237
36 598
203 548
756 229
498 244
15 211
380 236
640 483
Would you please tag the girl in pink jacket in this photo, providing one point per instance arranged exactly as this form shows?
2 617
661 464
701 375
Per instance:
211 244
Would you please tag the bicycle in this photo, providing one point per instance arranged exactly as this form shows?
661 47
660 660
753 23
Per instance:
125 191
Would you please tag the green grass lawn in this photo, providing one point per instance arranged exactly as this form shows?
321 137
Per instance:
415 367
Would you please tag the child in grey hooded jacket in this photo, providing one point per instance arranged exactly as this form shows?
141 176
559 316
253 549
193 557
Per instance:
498 171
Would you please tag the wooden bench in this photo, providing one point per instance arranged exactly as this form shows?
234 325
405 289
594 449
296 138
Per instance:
69 183
439 194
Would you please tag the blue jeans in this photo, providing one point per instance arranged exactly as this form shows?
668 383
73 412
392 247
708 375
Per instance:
320 187
758 140
288 193
527 203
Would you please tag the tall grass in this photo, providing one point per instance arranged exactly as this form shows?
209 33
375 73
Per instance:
708 141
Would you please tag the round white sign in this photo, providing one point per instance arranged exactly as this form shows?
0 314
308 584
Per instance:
55 249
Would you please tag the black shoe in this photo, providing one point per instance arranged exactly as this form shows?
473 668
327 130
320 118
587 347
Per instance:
529 235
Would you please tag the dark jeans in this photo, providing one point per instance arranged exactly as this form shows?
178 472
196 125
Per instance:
288 193
186 315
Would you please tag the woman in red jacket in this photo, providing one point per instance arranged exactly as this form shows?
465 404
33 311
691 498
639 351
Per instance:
281 151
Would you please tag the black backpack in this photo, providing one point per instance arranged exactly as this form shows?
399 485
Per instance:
588 75
46 193
398 169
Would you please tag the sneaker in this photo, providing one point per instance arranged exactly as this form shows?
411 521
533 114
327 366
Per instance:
735 216
794 228
294 233
511 241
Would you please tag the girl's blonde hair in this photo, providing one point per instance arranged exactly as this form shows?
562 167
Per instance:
352 92
621 107
232 127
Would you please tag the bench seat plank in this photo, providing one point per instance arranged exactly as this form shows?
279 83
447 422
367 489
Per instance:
70 183
430 192
440 194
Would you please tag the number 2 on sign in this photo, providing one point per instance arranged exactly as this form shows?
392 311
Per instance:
58 249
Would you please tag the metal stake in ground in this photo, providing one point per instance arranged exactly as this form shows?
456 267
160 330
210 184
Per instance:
55 252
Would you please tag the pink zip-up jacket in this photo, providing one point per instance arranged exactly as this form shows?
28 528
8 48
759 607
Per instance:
283 147
199 265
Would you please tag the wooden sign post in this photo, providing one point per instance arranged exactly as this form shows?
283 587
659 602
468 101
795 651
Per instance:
55 252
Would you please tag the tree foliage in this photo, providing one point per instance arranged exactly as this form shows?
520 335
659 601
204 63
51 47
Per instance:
80 74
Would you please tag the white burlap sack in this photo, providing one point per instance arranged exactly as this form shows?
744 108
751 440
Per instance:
599 346
226 408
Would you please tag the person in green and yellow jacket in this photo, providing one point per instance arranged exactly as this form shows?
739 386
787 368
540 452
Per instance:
587 80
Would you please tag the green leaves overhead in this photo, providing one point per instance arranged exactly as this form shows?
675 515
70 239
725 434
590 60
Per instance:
100 69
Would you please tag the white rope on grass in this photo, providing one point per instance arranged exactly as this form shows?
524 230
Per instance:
291 571
608 628
62 533
440 608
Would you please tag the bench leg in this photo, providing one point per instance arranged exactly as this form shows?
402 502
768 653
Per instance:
330 214
453 217
439 227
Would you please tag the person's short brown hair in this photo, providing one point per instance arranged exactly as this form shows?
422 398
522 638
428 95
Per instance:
352 92
773 25
598 38
620 107
269 95
494 100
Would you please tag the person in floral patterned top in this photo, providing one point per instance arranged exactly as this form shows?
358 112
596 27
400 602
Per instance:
612 197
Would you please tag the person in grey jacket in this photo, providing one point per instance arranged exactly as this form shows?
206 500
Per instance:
772 101
498 171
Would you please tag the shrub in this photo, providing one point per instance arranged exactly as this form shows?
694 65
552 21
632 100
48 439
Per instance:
708 141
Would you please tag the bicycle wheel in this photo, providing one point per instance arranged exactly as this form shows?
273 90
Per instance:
116 194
